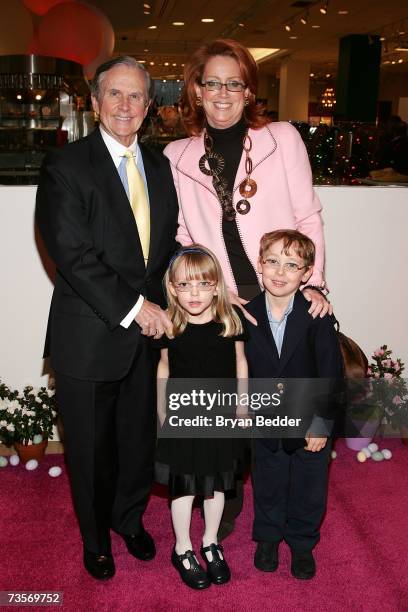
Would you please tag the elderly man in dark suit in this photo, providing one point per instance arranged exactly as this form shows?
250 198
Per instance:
107 211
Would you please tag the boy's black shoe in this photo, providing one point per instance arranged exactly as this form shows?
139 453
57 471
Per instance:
266 557
195 576
217 569
140 545
100 567
303 564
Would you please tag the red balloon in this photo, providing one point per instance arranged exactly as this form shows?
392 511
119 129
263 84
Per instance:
107 47
73 31
40 7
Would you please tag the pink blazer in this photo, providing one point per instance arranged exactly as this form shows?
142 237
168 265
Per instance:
285 198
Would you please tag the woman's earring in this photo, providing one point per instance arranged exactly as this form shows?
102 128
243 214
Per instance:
246 101
199 101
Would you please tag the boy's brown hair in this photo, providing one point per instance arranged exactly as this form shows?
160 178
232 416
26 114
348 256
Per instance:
301 244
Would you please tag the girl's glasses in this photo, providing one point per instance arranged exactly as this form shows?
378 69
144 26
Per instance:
289 266
213 85
185 286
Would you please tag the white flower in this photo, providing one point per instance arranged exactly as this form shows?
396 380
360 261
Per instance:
3 423
50 392
10 427
38 400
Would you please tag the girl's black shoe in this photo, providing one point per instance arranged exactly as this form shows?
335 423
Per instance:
217 569
195 576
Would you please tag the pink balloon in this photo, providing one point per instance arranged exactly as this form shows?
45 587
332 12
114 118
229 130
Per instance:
73 31
40 7
107 47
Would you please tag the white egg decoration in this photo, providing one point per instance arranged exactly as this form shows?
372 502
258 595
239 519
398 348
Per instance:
55 471
373 447
14 460
3 462
377 456
361 457
387 454
333 454
37 439
31 465
366 452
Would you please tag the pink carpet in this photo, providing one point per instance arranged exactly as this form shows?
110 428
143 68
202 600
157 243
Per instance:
361 559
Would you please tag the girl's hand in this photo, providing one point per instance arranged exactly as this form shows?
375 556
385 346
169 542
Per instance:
240 302
319 304
314 444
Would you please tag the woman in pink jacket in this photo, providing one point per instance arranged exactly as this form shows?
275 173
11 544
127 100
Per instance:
238 176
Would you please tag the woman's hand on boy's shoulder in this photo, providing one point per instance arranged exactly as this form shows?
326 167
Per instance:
240 303
320 305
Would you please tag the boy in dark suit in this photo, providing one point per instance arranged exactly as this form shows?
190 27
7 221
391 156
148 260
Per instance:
290 475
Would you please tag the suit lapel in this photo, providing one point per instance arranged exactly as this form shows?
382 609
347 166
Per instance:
265 332
106 175
296 326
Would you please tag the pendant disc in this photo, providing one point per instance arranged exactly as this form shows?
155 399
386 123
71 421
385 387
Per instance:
248 188
243 207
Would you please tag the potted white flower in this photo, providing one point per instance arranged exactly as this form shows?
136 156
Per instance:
26 419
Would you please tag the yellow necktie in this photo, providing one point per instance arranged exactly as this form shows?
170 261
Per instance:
139 203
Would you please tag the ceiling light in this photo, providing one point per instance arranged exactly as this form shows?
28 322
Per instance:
315 27
401 32
311 74
241 25
287 27
146 50
146 12
342 12
174 64
164 80
303 20
152 28
38 97
182 64
178 80
293 37
323 8
19 97
178 23
328 75
151 63
400 60
141 61
207 20
393 62
166 64
382 38
146 6
260 54
404 48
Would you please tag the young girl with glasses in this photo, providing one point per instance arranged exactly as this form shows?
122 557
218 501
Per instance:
207 342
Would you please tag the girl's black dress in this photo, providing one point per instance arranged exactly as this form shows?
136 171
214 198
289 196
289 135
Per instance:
200 466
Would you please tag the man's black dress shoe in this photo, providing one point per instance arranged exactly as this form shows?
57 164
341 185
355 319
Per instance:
195 576
140 545
266 557
303 564
217 569
100 567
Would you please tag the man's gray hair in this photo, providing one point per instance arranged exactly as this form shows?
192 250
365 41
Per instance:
121 60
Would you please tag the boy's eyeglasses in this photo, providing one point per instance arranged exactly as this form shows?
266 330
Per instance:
213 85
185 286
289 266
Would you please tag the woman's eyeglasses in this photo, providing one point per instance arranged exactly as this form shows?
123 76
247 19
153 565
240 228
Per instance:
212 85
185 286
289 266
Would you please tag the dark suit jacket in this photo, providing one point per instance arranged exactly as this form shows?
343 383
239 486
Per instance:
88 227
310 350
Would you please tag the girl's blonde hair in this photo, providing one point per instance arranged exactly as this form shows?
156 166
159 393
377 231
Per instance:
200 263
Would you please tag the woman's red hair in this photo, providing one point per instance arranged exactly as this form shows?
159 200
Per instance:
193 115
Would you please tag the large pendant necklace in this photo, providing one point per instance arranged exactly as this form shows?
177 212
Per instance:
212 164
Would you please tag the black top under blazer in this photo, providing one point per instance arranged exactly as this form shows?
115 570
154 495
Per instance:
310 349
89 230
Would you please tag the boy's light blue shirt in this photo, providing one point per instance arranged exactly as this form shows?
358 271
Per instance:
278 327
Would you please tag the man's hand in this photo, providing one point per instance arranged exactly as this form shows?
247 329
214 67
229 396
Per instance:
319 304
240 302
152 320
314 444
